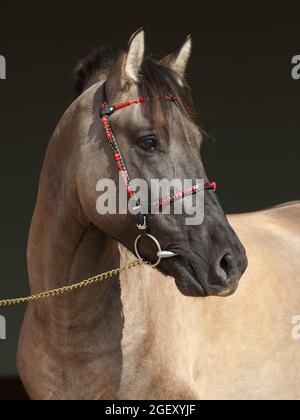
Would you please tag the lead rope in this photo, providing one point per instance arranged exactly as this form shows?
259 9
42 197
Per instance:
69 289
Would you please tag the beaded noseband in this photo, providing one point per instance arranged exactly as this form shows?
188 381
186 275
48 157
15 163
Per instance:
106 112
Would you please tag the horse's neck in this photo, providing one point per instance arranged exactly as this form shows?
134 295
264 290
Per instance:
62 252
64 248
72 334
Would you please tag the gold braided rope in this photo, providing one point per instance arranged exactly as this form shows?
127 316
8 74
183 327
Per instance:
69 289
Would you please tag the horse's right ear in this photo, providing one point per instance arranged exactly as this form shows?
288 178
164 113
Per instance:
134 56
126 70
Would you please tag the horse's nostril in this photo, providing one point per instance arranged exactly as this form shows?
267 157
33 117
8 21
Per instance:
225 267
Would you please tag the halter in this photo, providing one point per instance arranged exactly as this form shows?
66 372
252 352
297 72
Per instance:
106 112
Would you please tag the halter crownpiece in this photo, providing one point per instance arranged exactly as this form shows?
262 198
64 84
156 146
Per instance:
106 112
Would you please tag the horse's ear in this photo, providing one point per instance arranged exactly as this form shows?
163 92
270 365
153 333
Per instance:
134 56
179 61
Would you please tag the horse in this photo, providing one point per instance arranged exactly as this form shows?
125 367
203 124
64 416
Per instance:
187 330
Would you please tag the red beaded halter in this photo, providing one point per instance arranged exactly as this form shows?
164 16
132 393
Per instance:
106 112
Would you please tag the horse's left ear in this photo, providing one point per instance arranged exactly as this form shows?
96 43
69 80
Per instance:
179 62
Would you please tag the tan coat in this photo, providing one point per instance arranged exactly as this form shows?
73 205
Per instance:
234 348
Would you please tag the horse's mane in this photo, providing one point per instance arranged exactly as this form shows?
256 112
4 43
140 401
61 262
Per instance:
97 60
158 81
155 80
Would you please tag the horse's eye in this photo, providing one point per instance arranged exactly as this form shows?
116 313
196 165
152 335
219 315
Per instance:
148 143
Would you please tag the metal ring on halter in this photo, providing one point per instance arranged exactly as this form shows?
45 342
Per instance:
156 243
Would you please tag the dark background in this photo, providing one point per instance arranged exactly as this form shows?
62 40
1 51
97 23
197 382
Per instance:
240 75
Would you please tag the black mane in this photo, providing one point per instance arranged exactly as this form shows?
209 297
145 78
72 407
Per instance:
102 58
158 81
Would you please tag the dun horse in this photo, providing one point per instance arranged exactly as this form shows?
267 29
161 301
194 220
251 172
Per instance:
144 335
